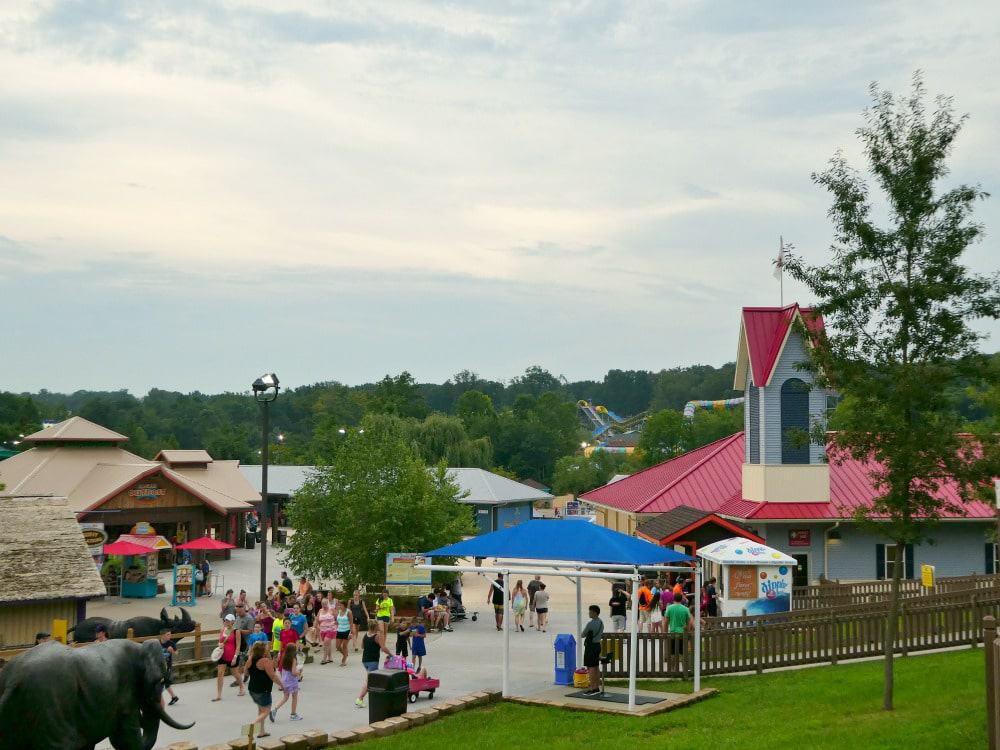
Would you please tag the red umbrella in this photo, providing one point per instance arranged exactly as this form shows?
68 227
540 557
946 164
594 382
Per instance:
206 543
127 548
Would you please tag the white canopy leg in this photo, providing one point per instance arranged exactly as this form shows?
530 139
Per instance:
633 649
697 628
506 635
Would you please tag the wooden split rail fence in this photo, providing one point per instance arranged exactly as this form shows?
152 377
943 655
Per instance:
871 592
762 643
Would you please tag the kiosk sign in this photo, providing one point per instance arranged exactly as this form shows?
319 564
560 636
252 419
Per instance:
400 570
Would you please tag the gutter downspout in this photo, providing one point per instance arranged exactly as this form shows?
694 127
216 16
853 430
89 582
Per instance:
826 552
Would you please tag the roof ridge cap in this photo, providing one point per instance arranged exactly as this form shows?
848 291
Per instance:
697 464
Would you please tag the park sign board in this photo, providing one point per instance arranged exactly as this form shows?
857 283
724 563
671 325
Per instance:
401 570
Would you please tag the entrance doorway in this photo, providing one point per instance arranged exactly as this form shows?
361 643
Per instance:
800 576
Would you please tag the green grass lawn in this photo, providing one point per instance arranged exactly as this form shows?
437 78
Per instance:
940 703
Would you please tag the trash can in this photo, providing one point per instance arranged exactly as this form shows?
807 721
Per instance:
565 658
388 690
249 541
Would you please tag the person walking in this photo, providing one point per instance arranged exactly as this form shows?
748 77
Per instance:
678 621
519 604
291 675
592 633
533 585
343 631
713 598
261 682
418 640
618 604
645 599
327 622
169 648
228 605
371 645
496 597
542 607
385 610
655 609
244 624
229 641
359 616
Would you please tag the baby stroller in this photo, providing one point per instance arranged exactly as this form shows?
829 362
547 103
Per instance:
458 611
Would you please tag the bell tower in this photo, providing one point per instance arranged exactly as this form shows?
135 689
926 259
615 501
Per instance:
782 407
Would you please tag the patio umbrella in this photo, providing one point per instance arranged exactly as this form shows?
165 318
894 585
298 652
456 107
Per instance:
127 548
206 543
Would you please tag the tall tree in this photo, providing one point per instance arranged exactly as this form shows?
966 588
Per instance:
899 306
375 497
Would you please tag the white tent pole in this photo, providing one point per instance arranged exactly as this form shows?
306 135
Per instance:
697 628
633 640
506 635
579 621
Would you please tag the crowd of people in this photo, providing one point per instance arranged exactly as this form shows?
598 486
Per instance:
263 643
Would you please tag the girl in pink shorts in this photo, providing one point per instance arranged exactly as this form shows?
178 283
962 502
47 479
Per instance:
327 620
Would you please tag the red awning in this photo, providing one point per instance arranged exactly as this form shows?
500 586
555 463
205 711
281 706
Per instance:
206 543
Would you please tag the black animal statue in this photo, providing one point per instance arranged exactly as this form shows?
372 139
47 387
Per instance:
53 697
85 631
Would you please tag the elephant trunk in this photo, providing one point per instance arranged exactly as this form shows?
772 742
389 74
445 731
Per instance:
163 716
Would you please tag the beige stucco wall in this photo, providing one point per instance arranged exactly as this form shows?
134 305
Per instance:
787 483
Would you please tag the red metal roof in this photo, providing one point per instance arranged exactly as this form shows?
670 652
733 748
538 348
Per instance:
710 478
765 329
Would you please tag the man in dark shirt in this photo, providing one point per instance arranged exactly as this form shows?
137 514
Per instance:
169 649
618 603
592 633
495 596
533 585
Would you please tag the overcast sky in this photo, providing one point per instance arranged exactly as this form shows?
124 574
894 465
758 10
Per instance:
194 192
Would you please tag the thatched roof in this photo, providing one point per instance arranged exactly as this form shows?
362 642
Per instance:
42 552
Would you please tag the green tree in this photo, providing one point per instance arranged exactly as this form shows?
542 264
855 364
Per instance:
668 434
576 474
398 395
443 438
476 411
898 306
375 497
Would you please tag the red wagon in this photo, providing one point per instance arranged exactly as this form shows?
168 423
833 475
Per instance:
422 684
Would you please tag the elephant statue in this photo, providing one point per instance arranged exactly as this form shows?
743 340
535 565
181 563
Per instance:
54 697
85 631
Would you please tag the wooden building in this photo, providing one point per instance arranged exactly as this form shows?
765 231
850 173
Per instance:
181 494
48 572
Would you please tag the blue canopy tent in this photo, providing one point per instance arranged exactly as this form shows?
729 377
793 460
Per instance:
592 551
564 540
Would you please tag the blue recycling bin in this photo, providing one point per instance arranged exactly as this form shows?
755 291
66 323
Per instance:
565 657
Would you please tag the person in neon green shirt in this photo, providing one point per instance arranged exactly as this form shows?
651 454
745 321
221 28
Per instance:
276 628
385 609
678 621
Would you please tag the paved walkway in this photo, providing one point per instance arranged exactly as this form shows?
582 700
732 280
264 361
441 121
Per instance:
466 660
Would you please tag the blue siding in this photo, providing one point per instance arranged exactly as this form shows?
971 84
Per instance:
483 516
793 354
958 549
513 514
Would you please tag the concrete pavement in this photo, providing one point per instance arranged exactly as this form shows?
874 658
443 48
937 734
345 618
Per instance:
466 660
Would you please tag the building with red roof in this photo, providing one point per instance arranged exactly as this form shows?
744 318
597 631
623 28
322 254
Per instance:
773 480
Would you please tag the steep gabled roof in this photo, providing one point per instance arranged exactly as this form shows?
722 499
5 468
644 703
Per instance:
75 430
763 333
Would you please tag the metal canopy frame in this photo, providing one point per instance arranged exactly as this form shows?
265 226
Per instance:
581 570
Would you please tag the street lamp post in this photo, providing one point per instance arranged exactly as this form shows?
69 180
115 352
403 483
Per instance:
265 390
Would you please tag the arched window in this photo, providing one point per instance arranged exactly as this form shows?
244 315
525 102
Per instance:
794 422
753 422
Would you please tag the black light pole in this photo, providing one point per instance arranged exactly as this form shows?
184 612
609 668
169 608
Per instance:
265 390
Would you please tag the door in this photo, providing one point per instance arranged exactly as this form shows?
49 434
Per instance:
800 576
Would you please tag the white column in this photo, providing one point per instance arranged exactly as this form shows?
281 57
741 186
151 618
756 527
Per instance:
506 635
633 648
579 622
697 627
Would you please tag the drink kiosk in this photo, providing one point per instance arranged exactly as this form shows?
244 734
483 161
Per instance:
752 578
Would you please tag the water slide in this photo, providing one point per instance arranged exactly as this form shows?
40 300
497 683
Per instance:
721 404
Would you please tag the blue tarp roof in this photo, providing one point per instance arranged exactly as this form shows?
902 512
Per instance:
563 540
